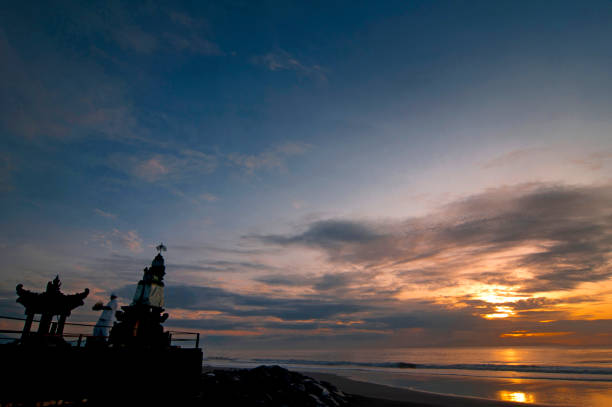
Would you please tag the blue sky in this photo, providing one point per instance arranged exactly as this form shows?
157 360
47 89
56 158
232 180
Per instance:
285 149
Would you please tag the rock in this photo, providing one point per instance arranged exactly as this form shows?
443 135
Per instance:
268 386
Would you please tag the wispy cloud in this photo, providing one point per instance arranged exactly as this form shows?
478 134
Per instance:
223 266
190 35
281 60
44 106
514 157
175 32
273 158
595 161
135 39
118 239
93 102
104 214
168 167
208 197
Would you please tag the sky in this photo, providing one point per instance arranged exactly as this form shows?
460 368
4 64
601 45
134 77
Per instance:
324 174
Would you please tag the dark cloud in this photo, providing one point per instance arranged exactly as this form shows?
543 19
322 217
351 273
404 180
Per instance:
436 319
328 233
333 281
327 281
569 229
242 305
211 324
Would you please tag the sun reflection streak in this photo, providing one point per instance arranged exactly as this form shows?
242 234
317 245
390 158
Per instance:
517 396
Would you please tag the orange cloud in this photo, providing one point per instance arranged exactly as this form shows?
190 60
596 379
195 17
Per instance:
515 334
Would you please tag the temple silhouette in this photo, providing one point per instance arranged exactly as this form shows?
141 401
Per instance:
48 304
138 359
140 322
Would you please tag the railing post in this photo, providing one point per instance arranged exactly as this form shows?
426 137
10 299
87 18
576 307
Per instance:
197 339
79 341
27 326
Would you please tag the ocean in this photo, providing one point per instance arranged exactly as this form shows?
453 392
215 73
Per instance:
558 376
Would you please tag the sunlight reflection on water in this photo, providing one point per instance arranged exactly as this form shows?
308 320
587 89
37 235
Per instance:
517 396
574 388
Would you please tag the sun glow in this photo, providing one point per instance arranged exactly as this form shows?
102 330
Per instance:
501 312
498 295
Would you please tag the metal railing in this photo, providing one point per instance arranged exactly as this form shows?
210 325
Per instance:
78 341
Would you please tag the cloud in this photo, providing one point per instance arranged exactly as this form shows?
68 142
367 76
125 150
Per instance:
286 280
560 235
324 282
152 169
136 39
104 214
223 266
595 161
273 158
39 104
204 298
190 34
192 42
38 101
129 240
131 29
513 157
281 60
328 233
169 167
208 197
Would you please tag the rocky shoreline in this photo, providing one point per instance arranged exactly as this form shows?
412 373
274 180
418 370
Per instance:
268 386
275 386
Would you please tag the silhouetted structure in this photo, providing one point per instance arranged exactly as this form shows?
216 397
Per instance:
143 367
140 322
49 303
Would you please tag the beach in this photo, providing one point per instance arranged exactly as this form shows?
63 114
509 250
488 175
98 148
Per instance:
276 386
535 376
370 394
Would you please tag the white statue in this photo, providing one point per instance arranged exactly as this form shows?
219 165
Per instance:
107 317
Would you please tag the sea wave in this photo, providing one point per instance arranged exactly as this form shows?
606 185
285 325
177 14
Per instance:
531 368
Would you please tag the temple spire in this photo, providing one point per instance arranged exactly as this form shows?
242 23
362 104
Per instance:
140 322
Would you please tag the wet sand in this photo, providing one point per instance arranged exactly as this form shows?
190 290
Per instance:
376 395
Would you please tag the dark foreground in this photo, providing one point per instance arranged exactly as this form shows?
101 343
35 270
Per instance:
98 376
275 386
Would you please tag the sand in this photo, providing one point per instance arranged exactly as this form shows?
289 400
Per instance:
369 394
